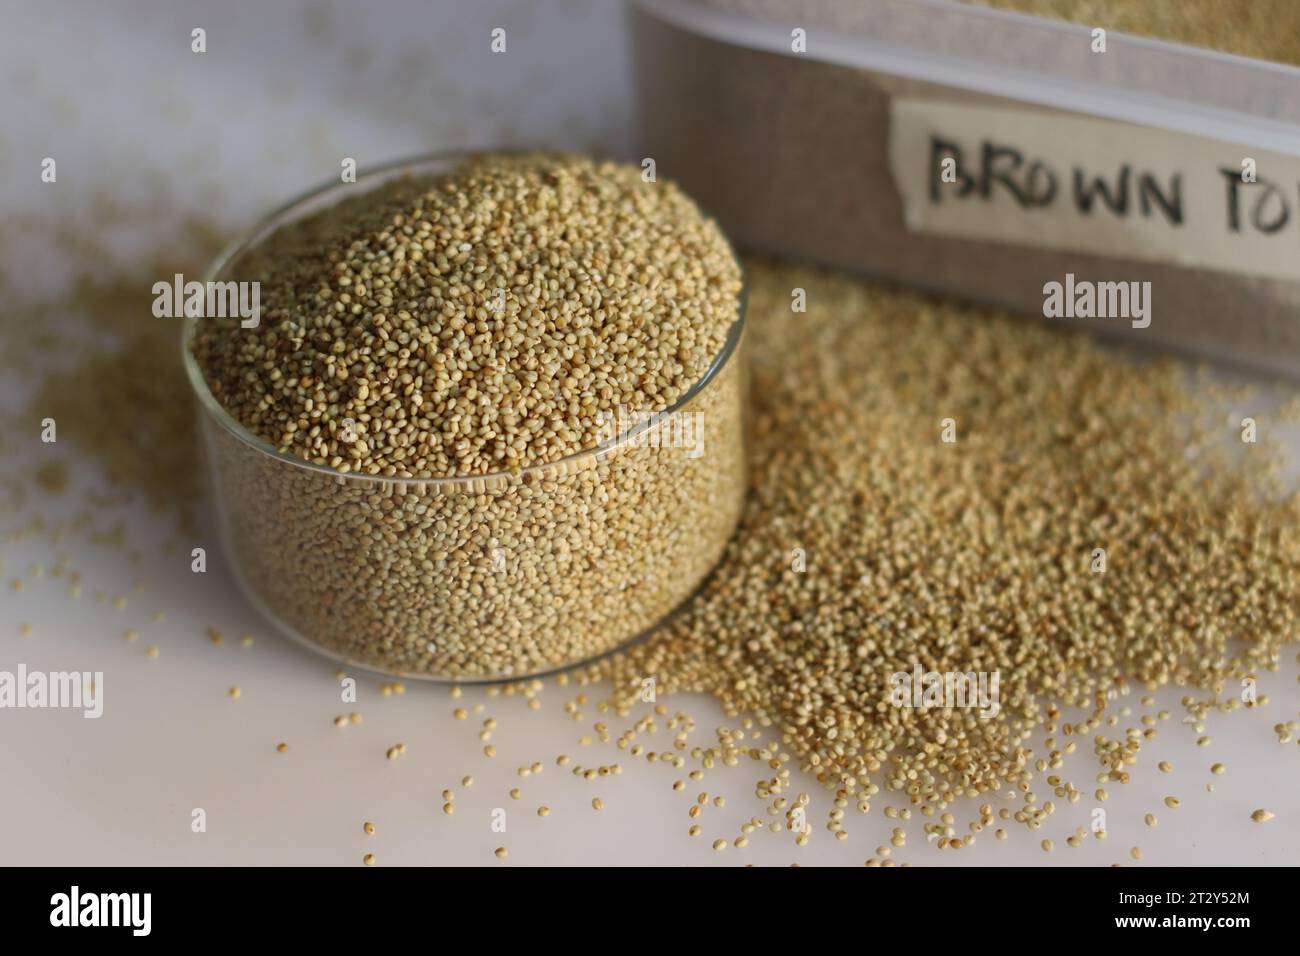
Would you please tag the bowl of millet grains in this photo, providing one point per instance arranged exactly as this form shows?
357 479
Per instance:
490 420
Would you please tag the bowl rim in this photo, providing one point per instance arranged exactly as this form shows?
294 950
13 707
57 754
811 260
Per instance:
322 196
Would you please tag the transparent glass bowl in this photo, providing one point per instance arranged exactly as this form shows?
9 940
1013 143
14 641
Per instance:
481 578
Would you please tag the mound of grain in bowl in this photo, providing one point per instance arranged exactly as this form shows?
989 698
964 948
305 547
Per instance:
1084 531
479 322
481 336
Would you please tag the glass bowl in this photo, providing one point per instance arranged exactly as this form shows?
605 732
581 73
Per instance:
482 578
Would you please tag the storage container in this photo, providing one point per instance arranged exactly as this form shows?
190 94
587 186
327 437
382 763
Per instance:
996 157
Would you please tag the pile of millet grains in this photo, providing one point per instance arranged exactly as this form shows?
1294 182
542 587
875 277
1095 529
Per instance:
482 329
979 554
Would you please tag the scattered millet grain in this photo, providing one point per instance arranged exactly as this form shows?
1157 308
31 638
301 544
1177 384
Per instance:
598 804
1173 803
368 828
1218 768
235 693
974 555
282 748
1135 852
543 811
501 852
1262 816
448 809
123 370
52 476
382 354
368 859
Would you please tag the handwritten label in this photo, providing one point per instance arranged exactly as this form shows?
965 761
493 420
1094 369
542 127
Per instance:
1079 184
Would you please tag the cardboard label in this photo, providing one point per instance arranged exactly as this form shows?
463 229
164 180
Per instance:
1073 183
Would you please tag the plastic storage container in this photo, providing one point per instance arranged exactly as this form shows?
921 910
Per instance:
483 578
819 130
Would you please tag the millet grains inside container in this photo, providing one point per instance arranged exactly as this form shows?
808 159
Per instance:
492 326
1267 29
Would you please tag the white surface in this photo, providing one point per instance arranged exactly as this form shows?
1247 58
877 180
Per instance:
281 96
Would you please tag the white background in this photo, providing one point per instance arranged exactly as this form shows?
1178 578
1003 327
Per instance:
283 93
